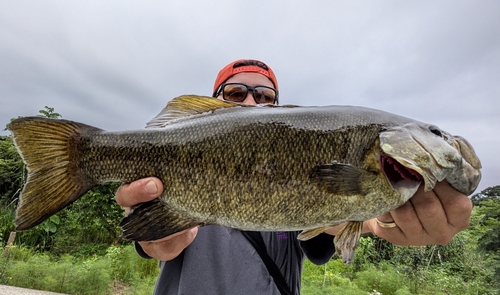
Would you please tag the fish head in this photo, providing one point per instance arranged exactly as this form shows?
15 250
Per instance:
416 152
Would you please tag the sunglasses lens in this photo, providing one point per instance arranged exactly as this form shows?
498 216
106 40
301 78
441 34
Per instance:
235 92
264 95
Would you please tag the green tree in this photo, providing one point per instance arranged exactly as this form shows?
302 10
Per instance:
48 112
90 224
488 208
488 228
11 171
489 193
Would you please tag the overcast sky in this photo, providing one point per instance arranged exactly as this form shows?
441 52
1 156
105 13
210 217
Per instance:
115 64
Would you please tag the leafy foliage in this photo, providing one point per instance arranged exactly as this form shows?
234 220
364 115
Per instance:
90 275
90 224
48 112
487 227
412 270
384 279
42 272
489 193
11 171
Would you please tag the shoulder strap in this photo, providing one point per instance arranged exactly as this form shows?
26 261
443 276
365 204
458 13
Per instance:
255 238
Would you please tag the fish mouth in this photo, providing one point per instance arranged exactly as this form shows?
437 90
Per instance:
401 178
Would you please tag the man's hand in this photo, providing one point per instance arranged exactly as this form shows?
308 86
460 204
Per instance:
143 190
432 217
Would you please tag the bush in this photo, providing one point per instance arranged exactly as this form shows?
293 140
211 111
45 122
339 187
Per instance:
321 290
384 279
126 264
331 278
144 286
121 267
42 272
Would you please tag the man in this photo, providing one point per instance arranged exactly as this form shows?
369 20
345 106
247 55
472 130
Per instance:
218 260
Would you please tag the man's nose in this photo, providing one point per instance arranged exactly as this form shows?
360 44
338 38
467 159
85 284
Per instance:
249 100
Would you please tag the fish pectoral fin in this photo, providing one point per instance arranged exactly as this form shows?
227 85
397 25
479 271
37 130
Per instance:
186 106
339 178
311 233
154 220
347 240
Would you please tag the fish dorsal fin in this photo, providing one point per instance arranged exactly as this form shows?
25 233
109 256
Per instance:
185 106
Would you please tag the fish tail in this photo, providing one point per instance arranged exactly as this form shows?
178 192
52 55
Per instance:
49 149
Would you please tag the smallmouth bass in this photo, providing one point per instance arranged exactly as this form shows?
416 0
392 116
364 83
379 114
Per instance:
262 168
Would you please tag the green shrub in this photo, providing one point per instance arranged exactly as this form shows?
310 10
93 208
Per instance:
7 214
322 290
126 264
403 291
143 286
145 268
42 272
331 278
384 279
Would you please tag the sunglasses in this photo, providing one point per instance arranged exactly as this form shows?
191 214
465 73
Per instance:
237 92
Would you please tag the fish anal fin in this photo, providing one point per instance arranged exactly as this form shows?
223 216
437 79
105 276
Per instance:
339 178
346 240
154 220
186 106
311 233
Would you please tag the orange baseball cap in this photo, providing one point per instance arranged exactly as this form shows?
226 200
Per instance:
244 66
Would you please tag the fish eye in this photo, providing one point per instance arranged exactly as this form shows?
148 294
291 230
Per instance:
435 130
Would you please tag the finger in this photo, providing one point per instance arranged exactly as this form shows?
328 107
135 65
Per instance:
169 247
387 218
404 217
139 191
457 206
428 218
432 216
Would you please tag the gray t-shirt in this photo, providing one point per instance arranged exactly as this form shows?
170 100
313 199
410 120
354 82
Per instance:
222 261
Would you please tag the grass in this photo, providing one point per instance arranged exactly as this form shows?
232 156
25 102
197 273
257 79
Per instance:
121 271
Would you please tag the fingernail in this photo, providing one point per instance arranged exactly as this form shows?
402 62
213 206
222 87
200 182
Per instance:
151 187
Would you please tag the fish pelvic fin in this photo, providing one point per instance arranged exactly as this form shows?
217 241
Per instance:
186 106
154 220
49 149
311 233
346 240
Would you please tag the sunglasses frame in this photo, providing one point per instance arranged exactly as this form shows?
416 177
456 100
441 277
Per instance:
249 88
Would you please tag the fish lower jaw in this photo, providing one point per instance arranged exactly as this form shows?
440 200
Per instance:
406 188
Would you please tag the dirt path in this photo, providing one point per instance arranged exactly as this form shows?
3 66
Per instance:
8 290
